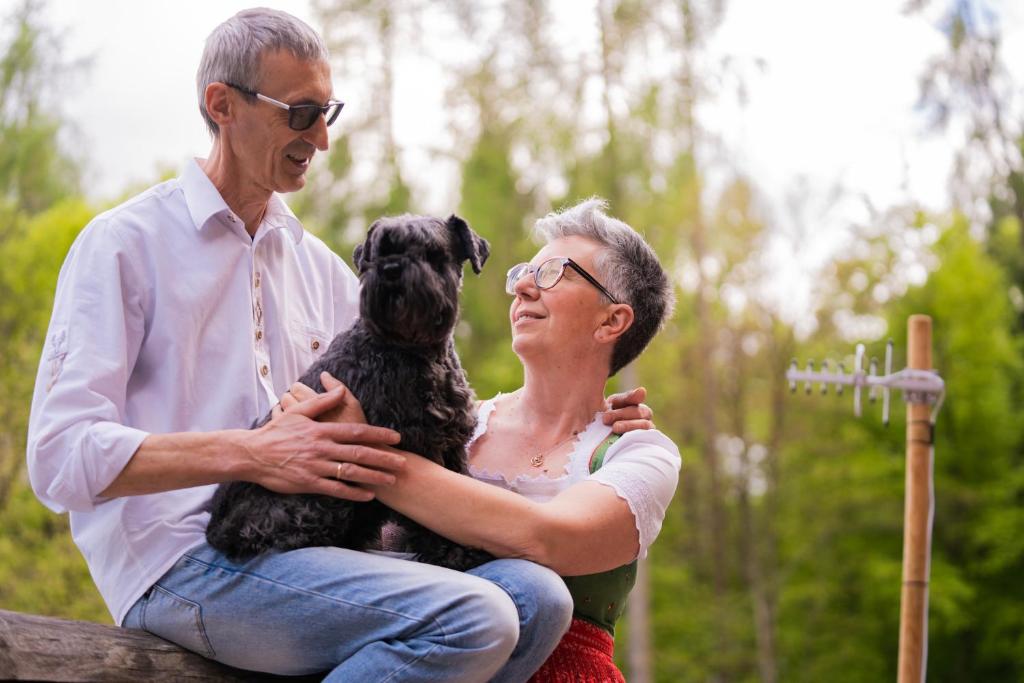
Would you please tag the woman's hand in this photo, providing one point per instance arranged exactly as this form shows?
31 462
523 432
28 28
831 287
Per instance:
348 409
345 461
627 411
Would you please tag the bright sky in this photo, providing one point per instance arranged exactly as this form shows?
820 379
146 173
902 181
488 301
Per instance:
834 104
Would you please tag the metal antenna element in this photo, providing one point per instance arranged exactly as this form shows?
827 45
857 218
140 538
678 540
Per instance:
872 372
918 386
858 371
885 394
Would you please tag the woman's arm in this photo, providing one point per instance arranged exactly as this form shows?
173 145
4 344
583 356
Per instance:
587 528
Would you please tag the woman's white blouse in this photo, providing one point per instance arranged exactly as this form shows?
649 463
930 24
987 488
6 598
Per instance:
642 467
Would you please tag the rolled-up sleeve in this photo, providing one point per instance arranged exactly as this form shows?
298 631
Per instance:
77 440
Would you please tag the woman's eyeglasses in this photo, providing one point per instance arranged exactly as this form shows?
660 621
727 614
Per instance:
547 275
300 116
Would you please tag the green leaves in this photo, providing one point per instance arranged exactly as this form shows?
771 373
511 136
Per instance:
780 557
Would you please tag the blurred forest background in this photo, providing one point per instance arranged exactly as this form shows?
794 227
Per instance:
780 558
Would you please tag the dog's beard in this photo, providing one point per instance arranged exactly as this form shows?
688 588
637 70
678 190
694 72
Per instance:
415 309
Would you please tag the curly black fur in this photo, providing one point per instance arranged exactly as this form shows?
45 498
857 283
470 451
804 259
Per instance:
399 361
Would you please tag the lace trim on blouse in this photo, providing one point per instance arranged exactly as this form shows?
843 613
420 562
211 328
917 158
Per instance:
572 465
641 467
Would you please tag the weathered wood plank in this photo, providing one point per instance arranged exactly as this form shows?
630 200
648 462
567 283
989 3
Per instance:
35 648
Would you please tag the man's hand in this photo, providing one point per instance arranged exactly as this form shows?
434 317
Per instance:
627 411
295 453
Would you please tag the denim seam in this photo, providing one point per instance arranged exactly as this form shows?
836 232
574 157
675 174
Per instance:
416 620
514 602
200 627
142 610
396 672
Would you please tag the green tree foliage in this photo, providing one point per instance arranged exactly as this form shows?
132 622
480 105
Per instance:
969 89
34 175
364 178
976 624
34 172
32 256
780 558
40 569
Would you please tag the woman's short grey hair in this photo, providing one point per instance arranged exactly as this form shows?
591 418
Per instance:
626 266
234 49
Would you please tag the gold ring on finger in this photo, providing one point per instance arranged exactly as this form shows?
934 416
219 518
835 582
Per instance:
337 472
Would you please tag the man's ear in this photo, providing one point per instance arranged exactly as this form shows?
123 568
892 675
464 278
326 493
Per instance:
217 101
472 247
618 318
363 253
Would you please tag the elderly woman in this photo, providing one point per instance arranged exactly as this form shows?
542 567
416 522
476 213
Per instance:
551 483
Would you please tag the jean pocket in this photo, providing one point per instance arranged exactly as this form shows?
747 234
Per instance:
176 619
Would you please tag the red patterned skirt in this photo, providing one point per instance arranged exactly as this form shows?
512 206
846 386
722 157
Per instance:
584 655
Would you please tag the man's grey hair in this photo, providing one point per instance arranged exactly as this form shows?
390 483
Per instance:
626 266
234 49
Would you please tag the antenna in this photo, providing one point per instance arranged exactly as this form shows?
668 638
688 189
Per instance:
918 386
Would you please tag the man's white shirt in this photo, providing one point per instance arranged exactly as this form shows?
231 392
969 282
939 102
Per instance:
168 317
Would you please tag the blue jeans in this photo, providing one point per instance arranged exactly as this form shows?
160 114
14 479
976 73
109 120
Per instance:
359 616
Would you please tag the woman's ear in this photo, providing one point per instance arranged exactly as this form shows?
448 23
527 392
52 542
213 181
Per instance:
618 318
217 102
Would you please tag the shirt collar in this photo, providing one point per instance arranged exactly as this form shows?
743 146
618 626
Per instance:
279 215
205 202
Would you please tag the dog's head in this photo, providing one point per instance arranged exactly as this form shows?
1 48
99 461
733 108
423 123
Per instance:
410 270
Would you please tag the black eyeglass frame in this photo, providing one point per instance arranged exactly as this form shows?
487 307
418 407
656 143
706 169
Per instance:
296 110
564 261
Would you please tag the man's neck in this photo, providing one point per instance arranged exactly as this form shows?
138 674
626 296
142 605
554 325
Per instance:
248 202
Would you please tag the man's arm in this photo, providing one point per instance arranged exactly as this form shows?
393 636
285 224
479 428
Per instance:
290 454
80 449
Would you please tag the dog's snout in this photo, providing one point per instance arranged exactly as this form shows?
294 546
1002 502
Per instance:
391 270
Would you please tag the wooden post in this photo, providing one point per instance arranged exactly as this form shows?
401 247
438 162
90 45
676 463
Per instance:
918 512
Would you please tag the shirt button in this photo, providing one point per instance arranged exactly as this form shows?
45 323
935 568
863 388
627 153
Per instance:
315 344
264 370
259 335
257 279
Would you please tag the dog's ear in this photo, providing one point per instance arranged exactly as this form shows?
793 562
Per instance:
474 248
361 255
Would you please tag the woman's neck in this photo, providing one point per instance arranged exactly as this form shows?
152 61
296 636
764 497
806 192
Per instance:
557 401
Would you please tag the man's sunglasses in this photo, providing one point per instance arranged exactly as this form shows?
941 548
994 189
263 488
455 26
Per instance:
300 116
547 275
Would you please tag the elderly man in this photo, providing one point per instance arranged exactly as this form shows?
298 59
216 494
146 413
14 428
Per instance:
180 316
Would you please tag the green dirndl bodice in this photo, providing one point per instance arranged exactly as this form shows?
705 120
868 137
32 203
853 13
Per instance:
601 598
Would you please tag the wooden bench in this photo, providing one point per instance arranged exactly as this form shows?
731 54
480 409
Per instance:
34 648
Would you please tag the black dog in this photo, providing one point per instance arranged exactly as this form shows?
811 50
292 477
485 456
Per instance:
399 361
